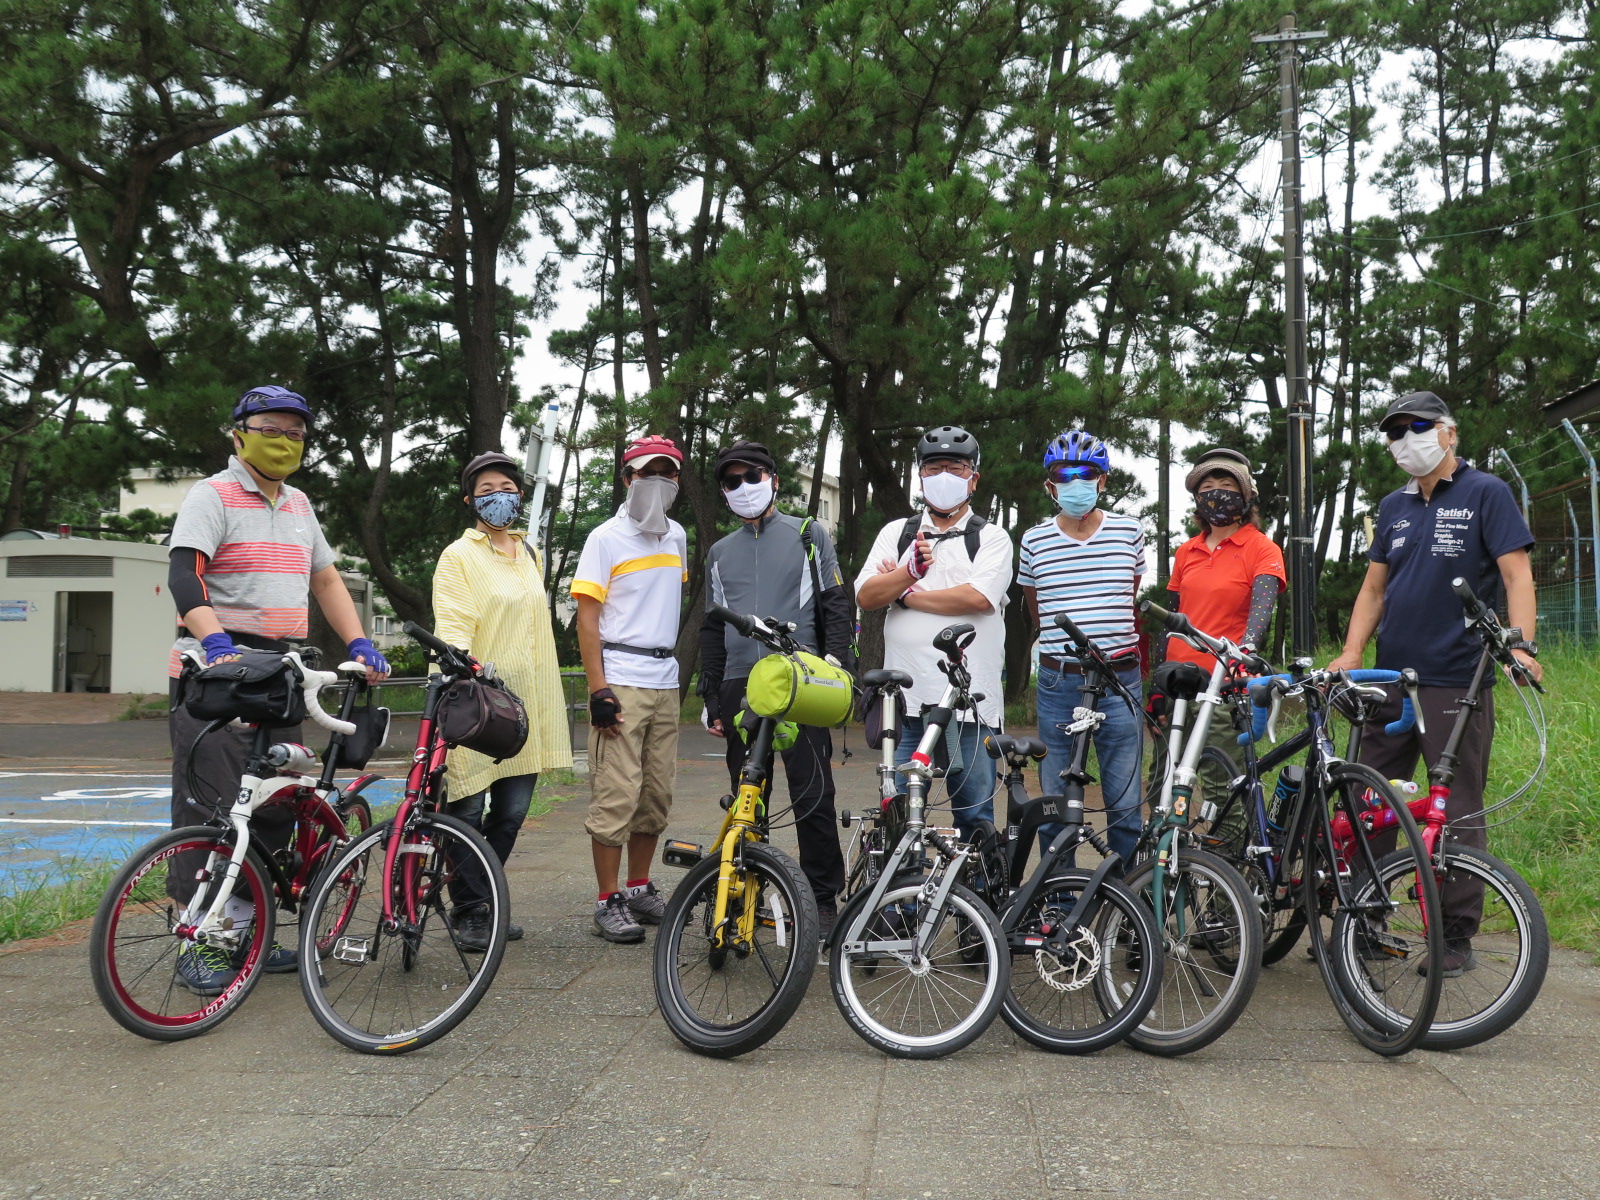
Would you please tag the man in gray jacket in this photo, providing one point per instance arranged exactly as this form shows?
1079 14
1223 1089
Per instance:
785 567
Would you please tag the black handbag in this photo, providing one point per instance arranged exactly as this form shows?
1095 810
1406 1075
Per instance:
483 715
372 731
257 688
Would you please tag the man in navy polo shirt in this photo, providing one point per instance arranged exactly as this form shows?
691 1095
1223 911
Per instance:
1449 520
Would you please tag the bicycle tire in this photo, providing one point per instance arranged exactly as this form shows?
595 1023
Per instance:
383 991
133 953
1349 783
357 814
1511 953
967 973
697 985
1112 981
1212 938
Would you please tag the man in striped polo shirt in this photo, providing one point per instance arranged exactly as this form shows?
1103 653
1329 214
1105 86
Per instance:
246 555
1086 562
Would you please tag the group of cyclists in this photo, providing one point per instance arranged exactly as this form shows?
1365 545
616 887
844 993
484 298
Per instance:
247 554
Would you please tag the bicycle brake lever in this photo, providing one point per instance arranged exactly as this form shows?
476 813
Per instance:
1272 716
1409 681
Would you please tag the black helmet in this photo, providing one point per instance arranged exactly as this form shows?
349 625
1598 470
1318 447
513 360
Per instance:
947 441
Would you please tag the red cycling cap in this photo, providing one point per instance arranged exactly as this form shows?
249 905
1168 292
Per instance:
652 447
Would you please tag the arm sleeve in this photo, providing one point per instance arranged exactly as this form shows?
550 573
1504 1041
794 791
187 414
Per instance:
1269 561
837 605
1263 599
186 570
1504 530
455 608
713 640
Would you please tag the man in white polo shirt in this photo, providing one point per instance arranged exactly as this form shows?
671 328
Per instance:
946 566
629 590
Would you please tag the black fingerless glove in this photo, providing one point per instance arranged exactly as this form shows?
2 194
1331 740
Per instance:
603 708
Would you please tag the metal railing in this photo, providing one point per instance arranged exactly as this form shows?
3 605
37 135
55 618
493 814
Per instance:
574 690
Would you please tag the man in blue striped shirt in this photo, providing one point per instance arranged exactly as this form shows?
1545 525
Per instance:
1086 562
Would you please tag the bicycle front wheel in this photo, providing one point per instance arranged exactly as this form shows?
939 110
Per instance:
388 984
1489 979
919 1004
142 968
1212 938
1097 991
1352 939
723 997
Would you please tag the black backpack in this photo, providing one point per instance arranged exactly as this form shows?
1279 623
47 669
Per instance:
908 534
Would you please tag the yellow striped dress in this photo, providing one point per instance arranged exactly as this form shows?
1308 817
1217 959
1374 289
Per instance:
494 606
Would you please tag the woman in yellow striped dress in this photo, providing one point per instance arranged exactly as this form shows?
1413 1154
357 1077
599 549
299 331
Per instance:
489 599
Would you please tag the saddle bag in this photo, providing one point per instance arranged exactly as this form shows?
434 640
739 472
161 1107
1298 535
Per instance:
483 715
258 688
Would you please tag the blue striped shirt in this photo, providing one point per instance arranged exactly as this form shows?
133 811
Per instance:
1092 582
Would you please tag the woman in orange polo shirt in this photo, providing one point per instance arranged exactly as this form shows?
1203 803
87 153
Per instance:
1226 579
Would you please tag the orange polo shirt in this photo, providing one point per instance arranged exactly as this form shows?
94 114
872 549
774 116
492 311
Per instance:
1213 586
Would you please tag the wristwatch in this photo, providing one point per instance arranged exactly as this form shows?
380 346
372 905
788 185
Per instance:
1530 648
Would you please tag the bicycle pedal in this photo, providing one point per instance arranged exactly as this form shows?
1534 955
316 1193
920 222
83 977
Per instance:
353 950
681 854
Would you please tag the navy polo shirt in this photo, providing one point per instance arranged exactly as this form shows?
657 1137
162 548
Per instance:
1470 521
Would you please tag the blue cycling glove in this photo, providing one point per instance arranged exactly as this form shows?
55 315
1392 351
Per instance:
218 646
361 648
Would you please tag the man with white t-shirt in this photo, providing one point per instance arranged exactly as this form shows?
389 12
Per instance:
1087 562
629 590
948 566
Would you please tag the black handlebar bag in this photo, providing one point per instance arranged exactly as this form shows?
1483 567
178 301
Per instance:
258 688
485 716
372 731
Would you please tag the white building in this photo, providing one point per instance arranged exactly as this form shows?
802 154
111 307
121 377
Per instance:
145 489
827 500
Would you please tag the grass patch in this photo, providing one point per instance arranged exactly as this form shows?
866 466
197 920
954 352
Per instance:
71 893
144 708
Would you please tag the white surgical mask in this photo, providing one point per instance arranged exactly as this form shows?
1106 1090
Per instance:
750 500
648 500
1418 453
945 492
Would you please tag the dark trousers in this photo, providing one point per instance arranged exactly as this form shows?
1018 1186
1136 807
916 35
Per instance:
809 770
1396 758
497 812
219 760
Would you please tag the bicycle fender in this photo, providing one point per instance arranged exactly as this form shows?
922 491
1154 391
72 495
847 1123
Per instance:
360 783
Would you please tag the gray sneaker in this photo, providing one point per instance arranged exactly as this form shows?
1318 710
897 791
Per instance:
614 922
647 906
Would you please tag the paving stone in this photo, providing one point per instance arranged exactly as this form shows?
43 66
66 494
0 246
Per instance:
913 1164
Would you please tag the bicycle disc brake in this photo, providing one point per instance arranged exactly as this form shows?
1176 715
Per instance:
1074 967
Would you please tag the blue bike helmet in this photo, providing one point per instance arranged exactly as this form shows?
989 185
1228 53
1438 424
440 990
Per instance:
271 398
1076 446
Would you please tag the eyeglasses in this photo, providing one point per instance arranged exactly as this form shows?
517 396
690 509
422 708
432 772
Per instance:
1066 474
961 470
272 431
734 478
1420 425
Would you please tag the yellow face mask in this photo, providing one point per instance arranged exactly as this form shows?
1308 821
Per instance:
276 458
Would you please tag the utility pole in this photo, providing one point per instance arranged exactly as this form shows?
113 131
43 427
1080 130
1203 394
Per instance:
1302 416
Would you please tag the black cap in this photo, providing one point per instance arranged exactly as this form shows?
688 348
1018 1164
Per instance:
1416 406
500 462
753 453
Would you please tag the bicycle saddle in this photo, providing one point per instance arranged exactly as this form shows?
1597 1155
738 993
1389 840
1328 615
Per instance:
882 676
1015 750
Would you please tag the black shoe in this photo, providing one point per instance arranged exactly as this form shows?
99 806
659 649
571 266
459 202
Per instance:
513 932
472 931
827 914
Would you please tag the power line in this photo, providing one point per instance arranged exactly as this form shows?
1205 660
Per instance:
1443 237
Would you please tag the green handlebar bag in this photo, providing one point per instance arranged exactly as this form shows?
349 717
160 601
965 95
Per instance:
801 688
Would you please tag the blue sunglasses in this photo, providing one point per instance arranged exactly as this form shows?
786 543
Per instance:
1420 425
1066 474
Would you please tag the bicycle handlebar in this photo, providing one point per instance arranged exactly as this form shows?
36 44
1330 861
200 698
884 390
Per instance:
1179 624
1264 693
953 639
1066 625
746 626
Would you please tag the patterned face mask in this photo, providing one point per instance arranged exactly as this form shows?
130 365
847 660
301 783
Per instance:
1219 506
498 509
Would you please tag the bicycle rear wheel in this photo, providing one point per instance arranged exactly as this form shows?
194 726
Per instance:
1093 995
1212 938
1496 973
388 986
722 1001
1368 910
919 1006
134 951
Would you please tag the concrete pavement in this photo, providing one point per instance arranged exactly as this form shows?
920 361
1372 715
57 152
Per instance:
566 1083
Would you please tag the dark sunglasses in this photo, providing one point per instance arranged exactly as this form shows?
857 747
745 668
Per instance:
1420 425
1067 474
734 478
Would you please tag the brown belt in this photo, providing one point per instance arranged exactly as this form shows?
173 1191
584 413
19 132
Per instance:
1067 667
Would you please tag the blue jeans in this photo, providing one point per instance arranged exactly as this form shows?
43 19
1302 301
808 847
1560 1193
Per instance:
1118 749
508 802
971 790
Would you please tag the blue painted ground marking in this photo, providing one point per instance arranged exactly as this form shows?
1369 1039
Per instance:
54 821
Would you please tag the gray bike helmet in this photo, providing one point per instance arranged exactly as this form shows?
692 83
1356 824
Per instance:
947 441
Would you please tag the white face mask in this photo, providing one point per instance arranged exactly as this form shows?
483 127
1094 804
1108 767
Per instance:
750 500
945 492
649 497
1418 453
